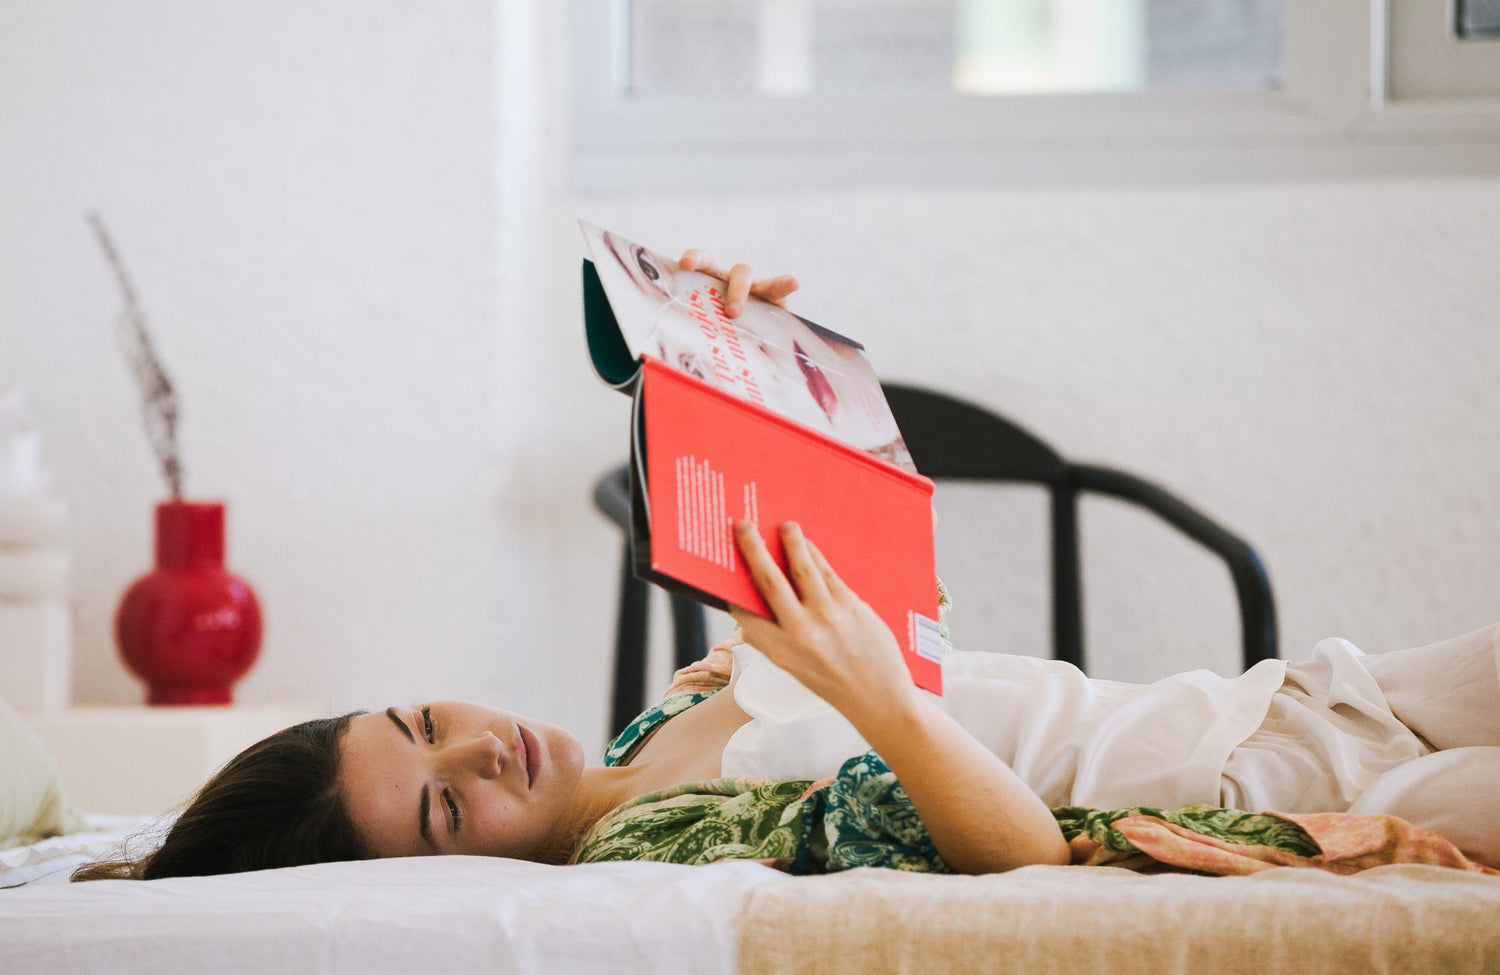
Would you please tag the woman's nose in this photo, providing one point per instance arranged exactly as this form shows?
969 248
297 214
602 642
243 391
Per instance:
480 755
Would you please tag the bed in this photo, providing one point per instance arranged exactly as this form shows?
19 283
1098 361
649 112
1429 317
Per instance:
400 915
495 915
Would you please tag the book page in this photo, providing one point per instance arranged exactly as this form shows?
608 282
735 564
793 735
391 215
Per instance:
767 355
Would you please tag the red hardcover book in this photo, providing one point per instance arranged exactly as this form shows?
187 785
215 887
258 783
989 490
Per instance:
766 417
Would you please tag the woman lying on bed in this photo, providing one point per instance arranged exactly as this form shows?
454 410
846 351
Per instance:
850 764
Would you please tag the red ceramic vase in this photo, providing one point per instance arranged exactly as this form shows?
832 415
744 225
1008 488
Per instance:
188 629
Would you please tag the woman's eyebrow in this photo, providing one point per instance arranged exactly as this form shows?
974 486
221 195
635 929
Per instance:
422 820
391 713
424 808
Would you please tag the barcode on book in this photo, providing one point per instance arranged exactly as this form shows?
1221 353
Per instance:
924 636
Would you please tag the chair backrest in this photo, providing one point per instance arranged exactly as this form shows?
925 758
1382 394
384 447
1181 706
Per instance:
951 439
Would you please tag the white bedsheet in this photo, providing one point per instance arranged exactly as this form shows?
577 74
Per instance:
52 861
408 915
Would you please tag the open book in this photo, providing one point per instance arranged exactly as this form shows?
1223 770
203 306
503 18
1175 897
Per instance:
766 417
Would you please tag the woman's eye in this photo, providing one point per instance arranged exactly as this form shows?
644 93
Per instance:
452 809
427 723
692 365
647 268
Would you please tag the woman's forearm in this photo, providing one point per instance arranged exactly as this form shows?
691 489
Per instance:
980 815
982 818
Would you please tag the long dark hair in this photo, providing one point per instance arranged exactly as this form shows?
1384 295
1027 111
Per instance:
278 803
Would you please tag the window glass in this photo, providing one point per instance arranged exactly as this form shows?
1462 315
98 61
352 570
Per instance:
1478 18
977 47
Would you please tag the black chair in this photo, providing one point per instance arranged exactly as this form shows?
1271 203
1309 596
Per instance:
954 440
689 631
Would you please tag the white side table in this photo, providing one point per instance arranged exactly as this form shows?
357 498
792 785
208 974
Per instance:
138 760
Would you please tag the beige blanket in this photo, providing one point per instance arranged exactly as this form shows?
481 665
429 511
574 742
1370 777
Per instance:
1402 918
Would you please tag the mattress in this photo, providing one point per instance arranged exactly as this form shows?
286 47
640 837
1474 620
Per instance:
399 915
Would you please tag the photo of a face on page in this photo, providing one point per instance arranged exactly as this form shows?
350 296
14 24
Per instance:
767 354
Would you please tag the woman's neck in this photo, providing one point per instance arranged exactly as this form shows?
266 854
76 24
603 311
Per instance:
600 790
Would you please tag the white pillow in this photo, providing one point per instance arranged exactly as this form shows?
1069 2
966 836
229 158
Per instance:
32 804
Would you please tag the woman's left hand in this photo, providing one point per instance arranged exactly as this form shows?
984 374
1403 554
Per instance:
740 280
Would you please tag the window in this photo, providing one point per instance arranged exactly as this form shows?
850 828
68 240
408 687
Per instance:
975 47
1443 49
1478 18
805 93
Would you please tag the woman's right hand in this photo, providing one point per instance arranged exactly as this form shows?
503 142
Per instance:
823 634
979 814
740 280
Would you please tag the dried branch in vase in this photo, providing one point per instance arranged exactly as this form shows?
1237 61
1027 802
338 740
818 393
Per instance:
159 399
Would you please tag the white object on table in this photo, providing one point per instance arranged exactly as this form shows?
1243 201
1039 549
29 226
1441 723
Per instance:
32 519
139 760
33 572
36 632
36 654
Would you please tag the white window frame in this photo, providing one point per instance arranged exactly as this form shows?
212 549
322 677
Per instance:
1333 117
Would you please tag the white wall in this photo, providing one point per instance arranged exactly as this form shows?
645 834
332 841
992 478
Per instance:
305 194
348 228
1316 365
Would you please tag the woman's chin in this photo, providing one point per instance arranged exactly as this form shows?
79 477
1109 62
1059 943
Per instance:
562 758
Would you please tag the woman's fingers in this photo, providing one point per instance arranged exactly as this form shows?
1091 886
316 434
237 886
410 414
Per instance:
809 580
775 290
740 281
806 574
831 580
766 574
694 259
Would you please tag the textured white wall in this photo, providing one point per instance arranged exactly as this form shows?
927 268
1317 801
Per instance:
1316 365
305 194
348 228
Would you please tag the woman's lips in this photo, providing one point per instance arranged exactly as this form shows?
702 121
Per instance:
532 755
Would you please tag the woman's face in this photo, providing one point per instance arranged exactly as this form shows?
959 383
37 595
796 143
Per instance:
457 777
